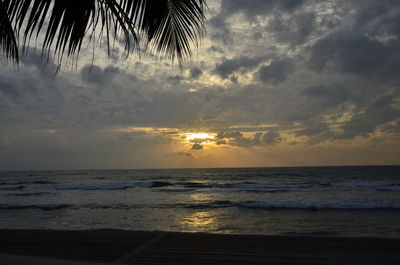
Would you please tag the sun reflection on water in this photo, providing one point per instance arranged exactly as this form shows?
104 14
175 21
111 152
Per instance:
204 221
201 220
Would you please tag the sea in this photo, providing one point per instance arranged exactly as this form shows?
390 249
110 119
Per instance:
359 201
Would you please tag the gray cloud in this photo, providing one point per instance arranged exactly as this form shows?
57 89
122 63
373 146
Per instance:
195 73
131 136
197 147
236 138
175 79
97 75
379 112
271 138
253 8
229 66
180 154
328 96
276 71
294 29
354 54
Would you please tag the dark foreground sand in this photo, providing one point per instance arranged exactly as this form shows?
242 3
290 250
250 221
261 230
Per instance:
129 247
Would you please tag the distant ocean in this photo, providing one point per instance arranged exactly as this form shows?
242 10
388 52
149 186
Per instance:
321 201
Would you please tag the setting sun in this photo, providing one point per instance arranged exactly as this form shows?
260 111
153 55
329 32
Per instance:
191 136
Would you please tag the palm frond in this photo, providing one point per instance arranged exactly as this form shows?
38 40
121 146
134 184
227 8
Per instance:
8 41
168 26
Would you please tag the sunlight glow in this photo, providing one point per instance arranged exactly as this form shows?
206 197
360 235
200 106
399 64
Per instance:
191 136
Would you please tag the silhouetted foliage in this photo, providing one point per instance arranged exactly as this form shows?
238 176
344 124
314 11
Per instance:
167 27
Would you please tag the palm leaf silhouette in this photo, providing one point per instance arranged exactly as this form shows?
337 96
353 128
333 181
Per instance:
167 27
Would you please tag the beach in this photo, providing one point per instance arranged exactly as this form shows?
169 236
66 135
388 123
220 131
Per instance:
134 247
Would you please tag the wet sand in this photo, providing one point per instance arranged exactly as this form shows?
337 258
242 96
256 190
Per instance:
131 247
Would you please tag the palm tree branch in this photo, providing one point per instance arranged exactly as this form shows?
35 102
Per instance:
168 26
8 40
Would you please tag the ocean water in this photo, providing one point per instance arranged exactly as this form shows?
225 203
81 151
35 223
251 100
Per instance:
319 201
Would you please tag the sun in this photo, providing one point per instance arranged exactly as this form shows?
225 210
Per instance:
191 136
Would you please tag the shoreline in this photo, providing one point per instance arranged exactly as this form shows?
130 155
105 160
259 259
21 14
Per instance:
141 247
117 230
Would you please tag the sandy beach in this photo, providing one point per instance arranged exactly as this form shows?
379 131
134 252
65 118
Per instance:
132 247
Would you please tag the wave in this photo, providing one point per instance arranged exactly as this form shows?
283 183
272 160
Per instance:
112 206
176 190
190 186
318 204
263 186
389 188
371 184
194 184
30 194
245 185
95 186
209 205
104 186
11 187
22 185
44 207
264 191
36 182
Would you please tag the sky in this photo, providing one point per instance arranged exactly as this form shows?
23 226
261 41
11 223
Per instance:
272 83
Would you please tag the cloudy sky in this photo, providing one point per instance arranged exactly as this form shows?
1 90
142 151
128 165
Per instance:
273 83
